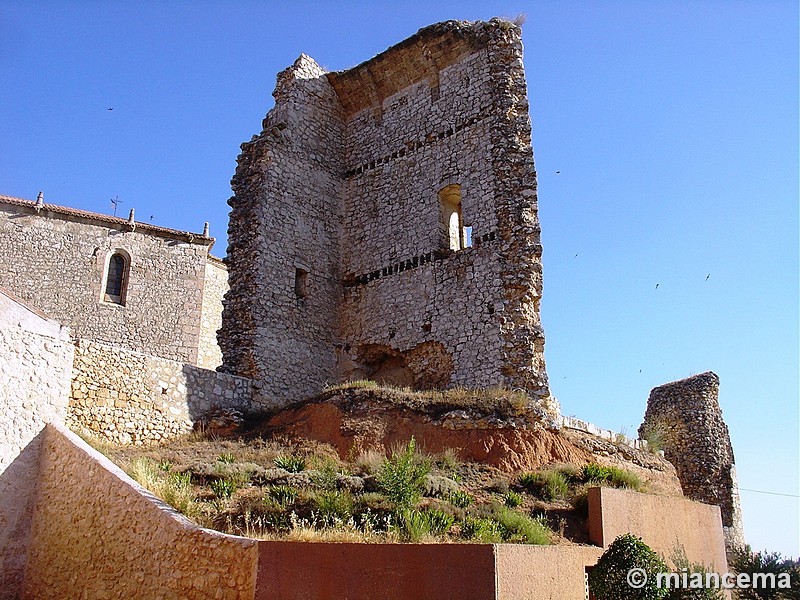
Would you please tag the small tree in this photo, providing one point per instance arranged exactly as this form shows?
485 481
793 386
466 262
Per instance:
402 477
628 570
769 563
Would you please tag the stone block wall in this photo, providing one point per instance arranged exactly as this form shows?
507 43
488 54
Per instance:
341 251
127 397
56 259
214 289
35 361
687 417
98 534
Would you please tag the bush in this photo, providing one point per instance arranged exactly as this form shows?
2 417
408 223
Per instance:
293 464
744 560
682 565
223 488
608 580
402 477
612 476
334 507
282 495
512 499
547 485
519 528
226 458
481 530
460 499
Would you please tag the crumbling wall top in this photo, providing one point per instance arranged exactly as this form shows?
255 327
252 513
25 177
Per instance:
419 57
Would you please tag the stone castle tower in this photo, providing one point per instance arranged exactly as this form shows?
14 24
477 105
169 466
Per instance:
384 223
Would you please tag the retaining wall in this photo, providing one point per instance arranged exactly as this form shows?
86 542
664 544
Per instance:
132 398
664 523
98 534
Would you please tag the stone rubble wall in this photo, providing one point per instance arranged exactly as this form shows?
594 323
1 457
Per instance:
35 361
686 415
98 534
58 263
214 289
285 220
606 434
343 183
132 398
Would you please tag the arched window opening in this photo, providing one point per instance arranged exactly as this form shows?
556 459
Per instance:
454 234
116 279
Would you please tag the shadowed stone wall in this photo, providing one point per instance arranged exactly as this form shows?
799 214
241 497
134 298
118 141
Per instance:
35 361
384 223
685 415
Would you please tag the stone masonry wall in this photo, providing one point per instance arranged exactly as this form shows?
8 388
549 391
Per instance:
464 121
214 289
35 360
57 259
284 234
98 534
132 398
687 417
339 257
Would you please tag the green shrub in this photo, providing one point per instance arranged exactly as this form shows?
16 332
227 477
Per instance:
481 530
621 478
226 458
402 476
595 473
547 485
223 488
293 464
744 560
682 565
439 522
609 579
411 525
165 465
460 499
519 528
334 507
512 499
282 495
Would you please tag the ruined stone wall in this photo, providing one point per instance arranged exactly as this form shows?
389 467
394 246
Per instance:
35 360
686 417
57 260
214 289
128 397
98 534
346 182
284 233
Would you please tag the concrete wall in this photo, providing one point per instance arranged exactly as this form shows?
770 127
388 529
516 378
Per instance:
343 183
56 259
132 398
299 571
35 360
664 523
538 572
98 534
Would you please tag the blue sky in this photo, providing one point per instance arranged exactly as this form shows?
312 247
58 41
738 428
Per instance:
674 126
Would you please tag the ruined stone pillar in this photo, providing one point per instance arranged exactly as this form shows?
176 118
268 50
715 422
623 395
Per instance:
685 418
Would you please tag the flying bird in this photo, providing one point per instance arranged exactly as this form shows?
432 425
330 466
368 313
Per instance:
110 108
707 276
558 172
658 284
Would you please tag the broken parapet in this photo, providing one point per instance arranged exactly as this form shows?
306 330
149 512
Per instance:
686 419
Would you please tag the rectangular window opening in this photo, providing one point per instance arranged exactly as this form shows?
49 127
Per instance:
300 283
468 236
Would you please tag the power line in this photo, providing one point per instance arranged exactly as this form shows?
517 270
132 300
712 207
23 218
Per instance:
770 493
